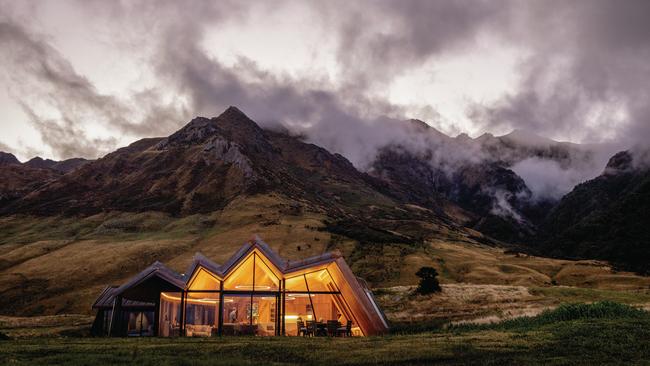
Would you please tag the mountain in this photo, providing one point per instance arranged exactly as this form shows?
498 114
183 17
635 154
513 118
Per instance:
492 196
606 218
210 162
8 159
18 179
200 168
478 175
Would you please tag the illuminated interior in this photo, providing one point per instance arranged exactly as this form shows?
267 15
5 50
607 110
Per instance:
313 296
204 280
253 274
249 303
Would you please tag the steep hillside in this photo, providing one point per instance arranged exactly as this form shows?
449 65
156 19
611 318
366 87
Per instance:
606 218
19 179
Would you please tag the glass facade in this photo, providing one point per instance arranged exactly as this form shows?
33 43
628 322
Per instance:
255 299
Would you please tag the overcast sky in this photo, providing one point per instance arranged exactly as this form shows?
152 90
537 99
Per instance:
80 78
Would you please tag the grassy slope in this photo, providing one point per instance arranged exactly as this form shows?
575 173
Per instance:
582 335
56 265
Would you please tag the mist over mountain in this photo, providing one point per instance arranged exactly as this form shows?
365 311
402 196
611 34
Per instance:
607 217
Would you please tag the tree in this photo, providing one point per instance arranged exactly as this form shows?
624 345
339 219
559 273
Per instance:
428 281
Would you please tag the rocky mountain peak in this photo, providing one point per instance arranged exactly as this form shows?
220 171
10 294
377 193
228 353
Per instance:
232 125
8 159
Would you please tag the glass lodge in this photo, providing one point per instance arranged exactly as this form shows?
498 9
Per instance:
255 293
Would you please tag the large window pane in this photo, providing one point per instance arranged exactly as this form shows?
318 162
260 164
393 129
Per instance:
203 280
201 314
295 283
242 278
237 313
297 309
320 281
170 314
325 308
265 279
329 308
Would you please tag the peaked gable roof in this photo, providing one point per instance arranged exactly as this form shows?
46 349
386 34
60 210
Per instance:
284 266
107 298
157 269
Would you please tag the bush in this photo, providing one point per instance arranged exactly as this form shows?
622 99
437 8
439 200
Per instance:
428 281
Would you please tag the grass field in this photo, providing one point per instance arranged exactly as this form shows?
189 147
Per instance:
601 333
459 303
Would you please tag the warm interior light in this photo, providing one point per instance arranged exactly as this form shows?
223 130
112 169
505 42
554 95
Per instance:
299 295
295 317
251 287
191 300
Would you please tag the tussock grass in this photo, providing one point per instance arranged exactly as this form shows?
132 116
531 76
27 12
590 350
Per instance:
563 313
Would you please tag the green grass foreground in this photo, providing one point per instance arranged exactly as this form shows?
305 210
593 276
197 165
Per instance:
600 333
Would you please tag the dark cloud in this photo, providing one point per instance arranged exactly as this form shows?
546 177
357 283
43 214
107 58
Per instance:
587 74
39 74
381 39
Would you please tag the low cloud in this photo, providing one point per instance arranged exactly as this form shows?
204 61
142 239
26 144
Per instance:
548 180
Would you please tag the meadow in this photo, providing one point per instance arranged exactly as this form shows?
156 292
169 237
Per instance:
578 334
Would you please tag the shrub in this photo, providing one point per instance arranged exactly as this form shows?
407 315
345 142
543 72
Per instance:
428 281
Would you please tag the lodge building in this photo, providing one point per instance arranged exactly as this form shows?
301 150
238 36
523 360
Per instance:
254 293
